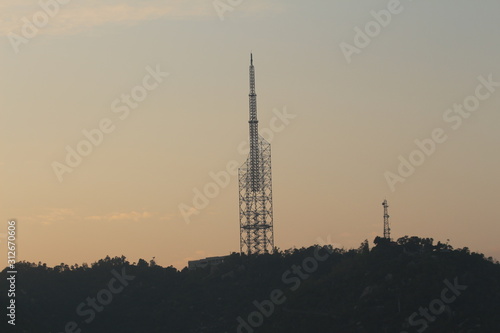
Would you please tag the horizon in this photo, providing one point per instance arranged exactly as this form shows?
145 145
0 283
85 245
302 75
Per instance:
371 245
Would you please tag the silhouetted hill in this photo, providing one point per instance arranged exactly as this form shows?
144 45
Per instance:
411 285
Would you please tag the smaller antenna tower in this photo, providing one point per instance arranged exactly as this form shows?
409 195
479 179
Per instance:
387 228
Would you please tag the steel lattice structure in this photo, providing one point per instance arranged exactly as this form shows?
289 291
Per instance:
255 187
387 229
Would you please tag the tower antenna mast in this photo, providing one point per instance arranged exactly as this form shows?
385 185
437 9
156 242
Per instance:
255 186
387 228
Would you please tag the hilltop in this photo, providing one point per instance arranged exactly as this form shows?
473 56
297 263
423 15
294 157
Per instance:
411 285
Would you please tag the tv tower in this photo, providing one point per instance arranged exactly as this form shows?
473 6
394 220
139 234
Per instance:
387 229
255 188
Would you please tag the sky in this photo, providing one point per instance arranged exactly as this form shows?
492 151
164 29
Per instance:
121 122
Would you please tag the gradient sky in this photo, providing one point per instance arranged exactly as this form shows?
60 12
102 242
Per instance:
352 122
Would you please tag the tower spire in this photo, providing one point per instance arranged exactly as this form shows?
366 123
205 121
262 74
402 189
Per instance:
253 129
